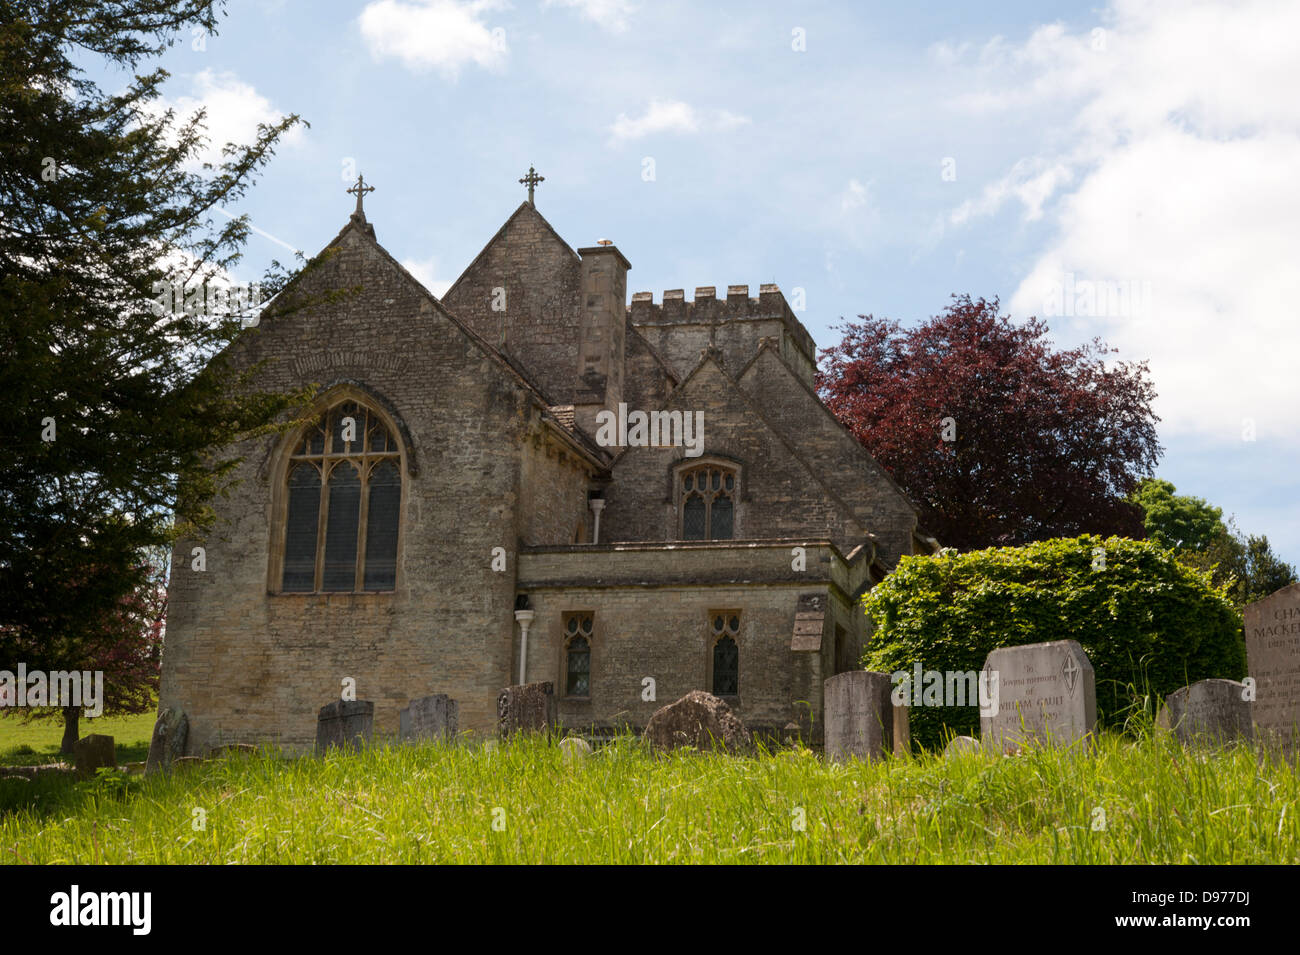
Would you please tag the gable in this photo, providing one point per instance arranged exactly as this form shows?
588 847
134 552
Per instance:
843 463
780 495
523 289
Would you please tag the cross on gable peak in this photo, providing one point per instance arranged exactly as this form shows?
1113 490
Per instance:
359 190
531 180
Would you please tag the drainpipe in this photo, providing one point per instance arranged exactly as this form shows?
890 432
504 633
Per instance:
525 618
597 505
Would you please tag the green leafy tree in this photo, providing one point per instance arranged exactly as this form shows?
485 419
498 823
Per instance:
1176 521
1244 564
114 395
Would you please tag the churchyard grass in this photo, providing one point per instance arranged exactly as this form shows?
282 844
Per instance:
24 744
1148 801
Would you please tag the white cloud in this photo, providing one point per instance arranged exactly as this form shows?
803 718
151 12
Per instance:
234 110
854 196
425 271
1171 171
1031 181
441 35
612 15
673 117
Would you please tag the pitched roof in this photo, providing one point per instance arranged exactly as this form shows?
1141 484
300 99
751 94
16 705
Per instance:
366 232
526 208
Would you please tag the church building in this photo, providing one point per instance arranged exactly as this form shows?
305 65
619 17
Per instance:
530 479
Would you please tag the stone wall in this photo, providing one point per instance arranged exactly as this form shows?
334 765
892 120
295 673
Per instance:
779 494
541 276
248 664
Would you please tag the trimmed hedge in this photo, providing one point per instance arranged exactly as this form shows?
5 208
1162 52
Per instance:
1146 621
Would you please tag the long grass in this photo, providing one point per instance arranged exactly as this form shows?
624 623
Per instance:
1126 801
25 743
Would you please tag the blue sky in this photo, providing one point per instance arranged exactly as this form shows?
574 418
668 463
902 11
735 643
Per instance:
1128 171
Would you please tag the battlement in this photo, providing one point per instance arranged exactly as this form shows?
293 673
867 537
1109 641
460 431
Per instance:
737 324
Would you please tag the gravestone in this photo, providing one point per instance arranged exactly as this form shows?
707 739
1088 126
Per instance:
344 724
526 708
700 720
1273 654
1045 693
170 734
93 752
1212 711
574 748
861 718
960 745
429 717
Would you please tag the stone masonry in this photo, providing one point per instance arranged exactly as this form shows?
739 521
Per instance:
492 394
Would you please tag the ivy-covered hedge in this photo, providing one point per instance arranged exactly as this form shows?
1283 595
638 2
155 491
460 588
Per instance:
1145 620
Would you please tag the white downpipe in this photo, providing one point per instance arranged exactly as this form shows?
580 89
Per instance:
525 618
597 505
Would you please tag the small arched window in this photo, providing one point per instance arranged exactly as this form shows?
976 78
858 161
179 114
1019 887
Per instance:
343 505
708 496
725 626
577 655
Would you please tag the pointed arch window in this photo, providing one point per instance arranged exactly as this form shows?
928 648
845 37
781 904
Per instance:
577 655
725 628
343 505
708 509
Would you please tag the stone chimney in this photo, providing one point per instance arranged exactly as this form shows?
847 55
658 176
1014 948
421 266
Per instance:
601 328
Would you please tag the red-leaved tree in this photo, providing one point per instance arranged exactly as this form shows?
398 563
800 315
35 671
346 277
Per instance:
997 438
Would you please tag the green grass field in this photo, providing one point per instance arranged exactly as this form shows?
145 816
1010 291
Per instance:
1129 802
24 744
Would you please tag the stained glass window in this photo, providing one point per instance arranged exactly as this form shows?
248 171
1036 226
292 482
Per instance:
340 532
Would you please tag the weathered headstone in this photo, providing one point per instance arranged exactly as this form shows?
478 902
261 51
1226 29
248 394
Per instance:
1045 692
1211 711
700 720
429 717
861 718
93 752
526 708
574 748
1273 654
960 745
170 734
345 724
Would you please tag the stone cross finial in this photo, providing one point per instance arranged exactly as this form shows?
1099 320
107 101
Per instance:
531 180
359 190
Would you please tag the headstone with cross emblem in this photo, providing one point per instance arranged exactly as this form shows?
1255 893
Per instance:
1045 693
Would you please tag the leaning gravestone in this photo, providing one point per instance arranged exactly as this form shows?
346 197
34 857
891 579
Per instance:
92 752
345 724
527 708
429 717
1212 711
861 719
170 734
1044 692
1273 652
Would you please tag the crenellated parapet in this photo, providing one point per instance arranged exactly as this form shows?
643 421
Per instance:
735 325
